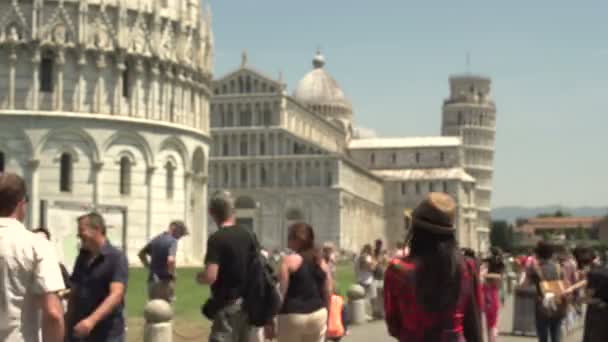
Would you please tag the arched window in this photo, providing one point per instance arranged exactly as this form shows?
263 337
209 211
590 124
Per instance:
394 158
226 175
65 176
1 161
263 177
241 85
262 147
441 156
243 176
244 146
431 187
445 187
372 158
170 179
125 176
417 188
460 121
403 188
417 157
46 73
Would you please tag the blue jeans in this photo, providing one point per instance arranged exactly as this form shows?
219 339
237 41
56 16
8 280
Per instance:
546 327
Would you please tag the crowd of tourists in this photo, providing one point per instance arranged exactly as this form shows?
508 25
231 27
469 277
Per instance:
426 289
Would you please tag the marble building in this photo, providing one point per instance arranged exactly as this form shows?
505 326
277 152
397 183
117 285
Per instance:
104 103
298 157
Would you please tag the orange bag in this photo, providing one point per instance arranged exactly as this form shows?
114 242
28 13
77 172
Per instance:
335 326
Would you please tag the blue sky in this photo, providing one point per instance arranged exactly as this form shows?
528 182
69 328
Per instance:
548 61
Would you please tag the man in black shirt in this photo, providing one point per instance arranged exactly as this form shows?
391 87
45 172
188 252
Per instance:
229 251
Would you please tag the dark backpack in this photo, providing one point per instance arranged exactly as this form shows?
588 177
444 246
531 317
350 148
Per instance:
261 300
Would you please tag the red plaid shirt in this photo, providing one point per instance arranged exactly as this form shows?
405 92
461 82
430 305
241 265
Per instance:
407 320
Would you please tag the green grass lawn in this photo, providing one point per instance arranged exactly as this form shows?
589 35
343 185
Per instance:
188 325
190 295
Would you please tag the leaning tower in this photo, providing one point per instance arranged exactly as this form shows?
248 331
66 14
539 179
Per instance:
104 105
470 112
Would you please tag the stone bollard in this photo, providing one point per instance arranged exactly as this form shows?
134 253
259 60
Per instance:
158 315
356 304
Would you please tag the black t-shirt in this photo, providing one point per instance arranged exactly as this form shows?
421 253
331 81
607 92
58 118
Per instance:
231 248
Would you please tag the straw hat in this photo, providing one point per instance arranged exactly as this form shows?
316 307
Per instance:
435 214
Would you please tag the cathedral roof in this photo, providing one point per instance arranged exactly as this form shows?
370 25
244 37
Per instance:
318 87
425 174
410 142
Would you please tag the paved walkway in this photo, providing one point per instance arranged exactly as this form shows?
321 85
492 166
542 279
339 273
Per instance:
376 332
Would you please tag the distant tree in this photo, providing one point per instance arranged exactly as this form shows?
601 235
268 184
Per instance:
581 234
557 213
501 235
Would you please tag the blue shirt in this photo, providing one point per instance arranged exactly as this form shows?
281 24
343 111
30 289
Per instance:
159 249
92 282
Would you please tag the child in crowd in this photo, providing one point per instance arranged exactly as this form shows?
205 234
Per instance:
337 323
492 279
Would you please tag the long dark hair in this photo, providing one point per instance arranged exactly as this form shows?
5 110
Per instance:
304 236
438 269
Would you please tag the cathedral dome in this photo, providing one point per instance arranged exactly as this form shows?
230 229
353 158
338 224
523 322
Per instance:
320 92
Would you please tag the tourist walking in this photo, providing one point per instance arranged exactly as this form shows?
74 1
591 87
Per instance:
229 251
158 256
30 277
305 287
492 281
433 294
364 272
596 276
99 283
546 269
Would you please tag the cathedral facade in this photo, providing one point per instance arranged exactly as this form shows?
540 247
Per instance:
299 157
104 106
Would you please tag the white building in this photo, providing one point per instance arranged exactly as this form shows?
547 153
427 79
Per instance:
295 158
104 104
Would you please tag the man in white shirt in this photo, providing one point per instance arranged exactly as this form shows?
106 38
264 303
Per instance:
30 276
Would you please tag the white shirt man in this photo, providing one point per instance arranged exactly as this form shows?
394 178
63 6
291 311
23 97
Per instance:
30 276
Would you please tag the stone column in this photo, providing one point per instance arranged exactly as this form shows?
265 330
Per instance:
34 190
153 110
60 62
120 69
97 182
100 65
158 315
11 77
35 79
149 200
136 104
187 191
169 98
178 97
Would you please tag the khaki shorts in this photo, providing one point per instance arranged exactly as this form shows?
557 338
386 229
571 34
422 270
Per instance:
162 289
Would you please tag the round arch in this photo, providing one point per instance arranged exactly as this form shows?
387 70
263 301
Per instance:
134 139
176 144
198 161
88 139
